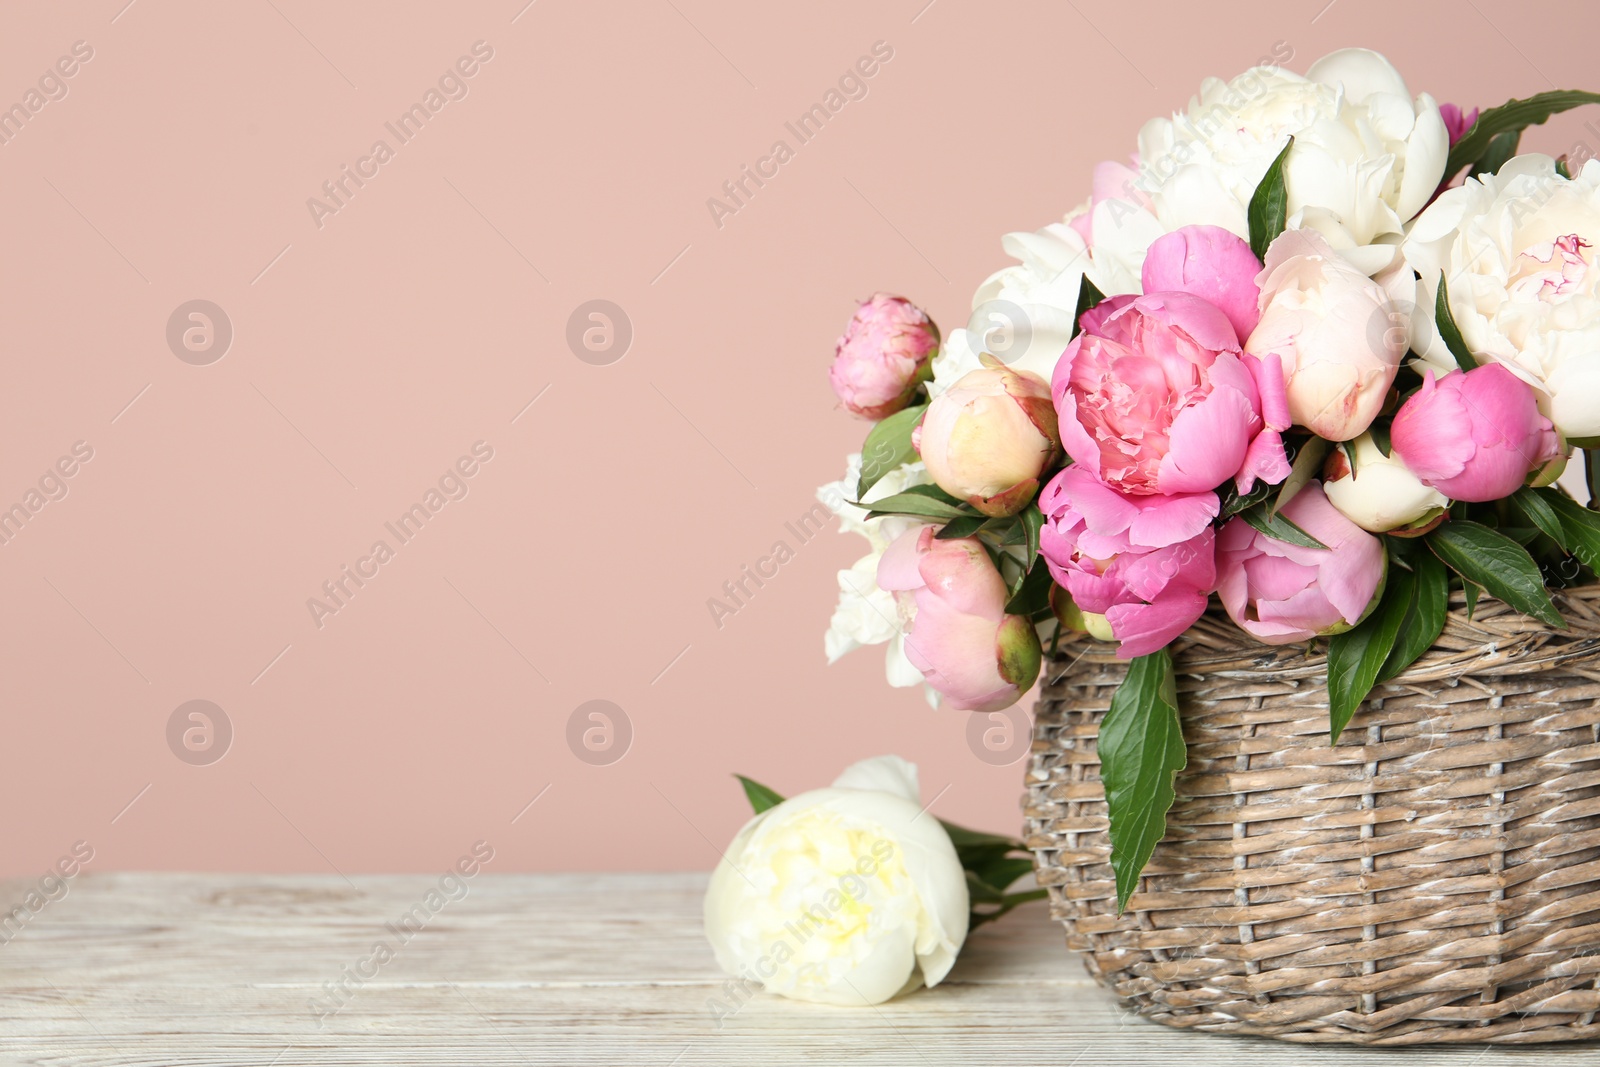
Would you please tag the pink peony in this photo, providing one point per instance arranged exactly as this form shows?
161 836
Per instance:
1281 593
1473 435
960 637
1212 263
1153 397
1455 123
1144 562
885 354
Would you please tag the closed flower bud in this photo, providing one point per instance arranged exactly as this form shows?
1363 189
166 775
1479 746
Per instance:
1377 492
886 352
989 437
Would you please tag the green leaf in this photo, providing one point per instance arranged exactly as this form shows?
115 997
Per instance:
1502 148
1031 521
1031 592
1542 514
888 447
1380 437
1425 616
922 501
1562 168
1307 461
1511 115
1488 558
981 892
1580 527
1449 330
1234 502
1088 296
963 838
1356 656
1269 206
1141 751
1278 527
1473 592
965 526
761 798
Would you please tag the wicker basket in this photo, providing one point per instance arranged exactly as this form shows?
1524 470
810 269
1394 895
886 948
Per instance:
1435 877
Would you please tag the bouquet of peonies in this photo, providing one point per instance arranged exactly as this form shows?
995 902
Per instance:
1322 350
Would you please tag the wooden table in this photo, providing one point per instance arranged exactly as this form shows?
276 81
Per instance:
165 969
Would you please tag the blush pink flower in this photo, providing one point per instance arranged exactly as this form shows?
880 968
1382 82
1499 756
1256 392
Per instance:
1144 562
1154 398
1212 263
886 352
959 634
1473 435
1281 593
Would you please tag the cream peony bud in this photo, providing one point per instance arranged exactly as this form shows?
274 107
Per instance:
847 895
1376 492
1339 333
988 438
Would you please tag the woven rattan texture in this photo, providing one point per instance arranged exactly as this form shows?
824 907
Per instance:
1435 877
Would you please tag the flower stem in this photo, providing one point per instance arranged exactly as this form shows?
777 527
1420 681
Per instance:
1591 461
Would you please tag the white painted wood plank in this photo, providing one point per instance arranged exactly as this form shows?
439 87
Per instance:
153 969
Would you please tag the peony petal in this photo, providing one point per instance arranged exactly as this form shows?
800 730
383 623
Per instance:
1207 443
1167 520
1146 628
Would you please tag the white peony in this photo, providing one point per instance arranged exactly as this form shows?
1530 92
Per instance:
1518 251
866 614
1366 158
847 895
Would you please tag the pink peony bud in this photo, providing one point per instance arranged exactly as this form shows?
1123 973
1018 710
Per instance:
1281 593
1455 123
1155 399
960 637
1144 562
1339 334
1474 435
1211 263
885 354
987 438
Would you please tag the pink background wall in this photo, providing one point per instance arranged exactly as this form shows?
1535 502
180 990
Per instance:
371 352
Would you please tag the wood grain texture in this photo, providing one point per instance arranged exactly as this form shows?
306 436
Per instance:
166 969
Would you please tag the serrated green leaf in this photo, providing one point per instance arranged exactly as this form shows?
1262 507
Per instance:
965 526
1356 656
888 447
1278 527
761 798
1425 616
1088 296
1488 558
1269 206
1448 329
1512 115
1502 148
1141 751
